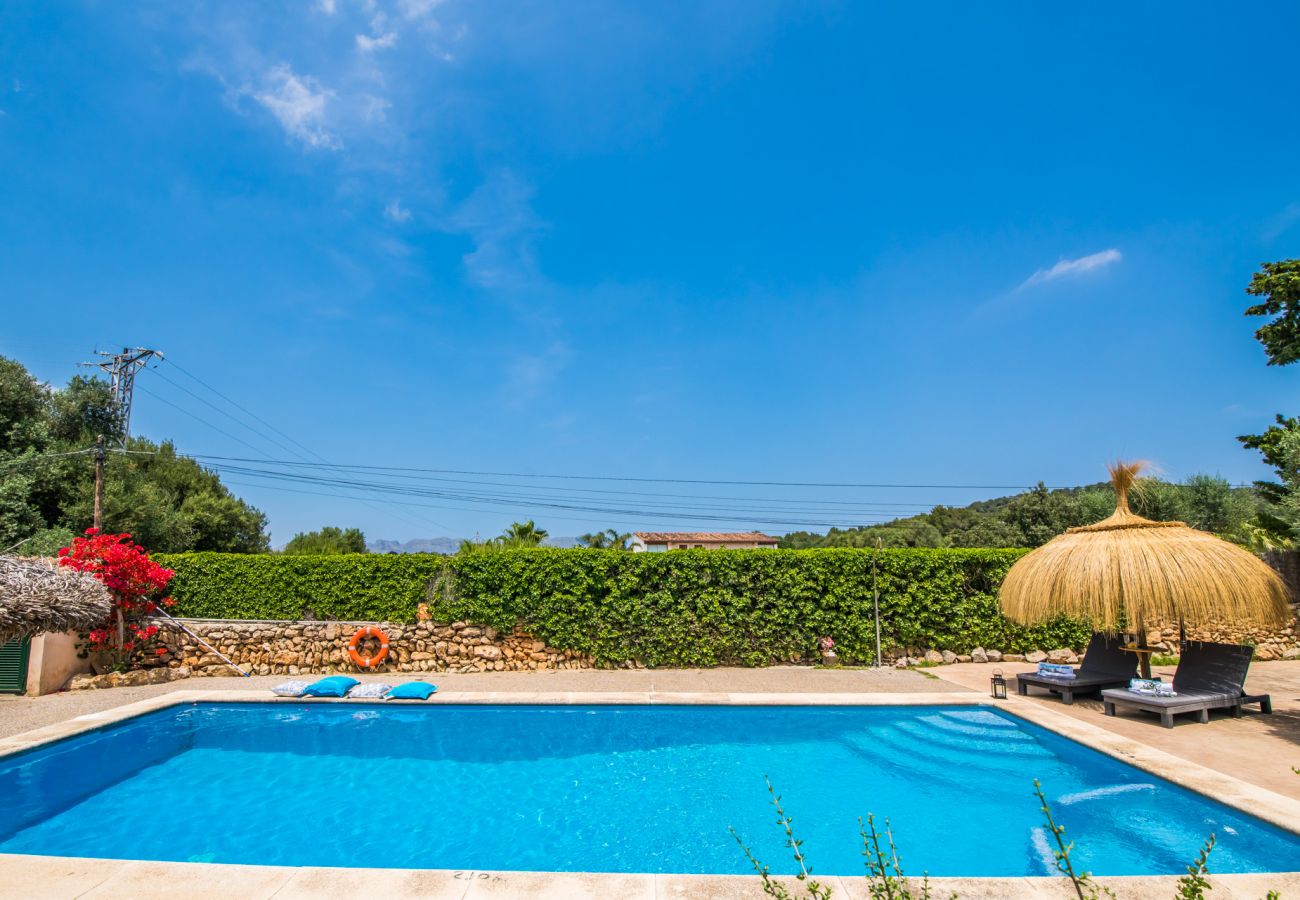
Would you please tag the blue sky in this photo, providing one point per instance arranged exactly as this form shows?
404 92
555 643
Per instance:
948 244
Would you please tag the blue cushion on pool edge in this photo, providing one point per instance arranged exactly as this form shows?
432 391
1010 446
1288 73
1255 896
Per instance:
411 690
333 686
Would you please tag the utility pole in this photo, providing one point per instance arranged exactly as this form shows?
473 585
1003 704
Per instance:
100 454
121 369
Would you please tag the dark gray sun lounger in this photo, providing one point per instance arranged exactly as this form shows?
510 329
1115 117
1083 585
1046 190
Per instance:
1104 665
1209 676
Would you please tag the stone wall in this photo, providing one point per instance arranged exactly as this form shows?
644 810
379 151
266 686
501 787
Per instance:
293 648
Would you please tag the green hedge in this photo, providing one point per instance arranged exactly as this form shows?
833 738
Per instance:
683 608
364 586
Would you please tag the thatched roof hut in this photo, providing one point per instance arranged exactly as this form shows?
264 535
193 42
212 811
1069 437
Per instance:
37 596
1127 568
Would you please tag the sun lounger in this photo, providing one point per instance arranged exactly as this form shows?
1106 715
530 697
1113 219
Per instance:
1104 665
1209 676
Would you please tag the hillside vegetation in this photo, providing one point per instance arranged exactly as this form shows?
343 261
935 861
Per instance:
1034 517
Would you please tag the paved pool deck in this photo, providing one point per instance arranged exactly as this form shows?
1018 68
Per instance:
19 714
1238 761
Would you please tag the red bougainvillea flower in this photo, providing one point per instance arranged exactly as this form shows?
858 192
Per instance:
133 580
161 651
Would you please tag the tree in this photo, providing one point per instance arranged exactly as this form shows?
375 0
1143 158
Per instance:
609 539
1276 523
328 541
523 534
1279 284
1041 515
1036 516
166 501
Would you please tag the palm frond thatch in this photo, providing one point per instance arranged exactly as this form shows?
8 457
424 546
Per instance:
37 596
1131 569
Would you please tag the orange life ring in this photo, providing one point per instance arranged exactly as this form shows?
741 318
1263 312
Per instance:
365 631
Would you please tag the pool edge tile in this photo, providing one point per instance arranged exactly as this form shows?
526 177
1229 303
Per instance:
324 883
569 885
25 875
729 887
195 881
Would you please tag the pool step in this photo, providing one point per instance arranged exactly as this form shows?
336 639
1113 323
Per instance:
918 757
1002 745
975 728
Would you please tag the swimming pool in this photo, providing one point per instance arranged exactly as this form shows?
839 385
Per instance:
604 788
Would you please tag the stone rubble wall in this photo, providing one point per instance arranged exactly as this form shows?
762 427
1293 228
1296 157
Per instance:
1277 643
313 647
294 648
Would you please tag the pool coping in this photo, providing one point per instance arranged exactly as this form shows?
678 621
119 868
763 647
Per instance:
1274 808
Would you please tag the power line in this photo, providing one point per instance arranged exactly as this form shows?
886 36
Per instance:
198 418
40 457
246 411
261 436
720 514
633 478
236 420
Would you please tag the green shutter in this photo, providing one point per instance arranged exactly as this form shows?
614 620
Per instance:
13 666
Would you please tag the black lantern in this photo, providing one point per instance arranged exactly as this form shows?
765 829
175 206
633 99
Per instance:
998 685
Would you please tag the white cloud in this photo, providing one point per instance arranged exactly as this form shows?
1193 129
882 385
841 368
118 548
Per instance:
395 212
529 374
368 44
417 9
326 6
498 217
1282 221
1072 268
298 104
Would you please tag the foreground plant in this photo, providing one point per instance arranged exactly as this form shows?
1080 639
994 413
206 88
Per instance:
1081 881
1194 884
816 890
886 880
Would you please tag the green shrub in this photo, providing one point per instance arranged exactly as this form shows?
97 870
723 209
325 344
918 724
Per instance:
682 608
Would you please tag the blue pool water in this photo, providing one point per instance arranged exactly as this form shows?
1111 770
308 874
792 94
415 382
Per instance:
607 788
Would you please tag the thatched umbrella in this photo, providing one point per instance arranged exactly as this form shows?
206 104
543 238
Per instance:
37 596
1129 569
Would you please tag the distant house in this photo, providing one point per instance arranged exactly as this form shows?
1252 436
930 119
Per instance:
659 541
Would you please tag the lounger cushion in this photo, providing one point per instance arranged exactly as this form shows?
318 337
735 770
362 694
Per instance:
411 690
1195 699
333 686
372 690
1077 682
291 688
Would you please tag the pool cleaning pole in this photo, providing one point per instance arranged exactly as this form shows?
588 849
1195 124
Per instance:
875 593
175 621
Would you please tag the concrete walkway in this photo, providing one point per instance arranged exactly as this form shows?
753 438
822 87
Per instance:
1258 749
19 714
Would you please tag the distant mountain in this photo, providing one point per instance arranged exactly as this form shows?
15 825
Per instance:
562 542
446 545
443 545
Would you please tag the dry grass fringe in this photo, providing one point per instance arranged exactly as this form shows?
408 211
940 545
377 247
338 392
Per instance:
37 596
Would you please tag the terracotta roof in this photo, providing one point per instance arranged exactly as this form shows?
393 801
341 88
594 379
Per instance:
704 537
